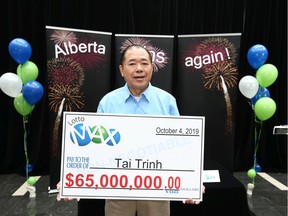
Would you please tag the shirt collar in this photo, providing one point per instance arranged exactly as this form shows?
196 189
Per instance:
146 94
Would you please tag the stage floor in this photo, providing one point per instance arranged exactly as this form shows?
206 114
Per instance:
269 196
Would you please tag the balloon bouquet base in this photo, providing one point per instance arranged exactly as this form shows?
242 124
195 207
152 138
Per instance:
250 188
32 191
30 186
252 175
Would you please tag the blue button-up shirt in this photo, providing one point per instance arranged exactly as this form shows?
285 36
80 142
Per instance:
153 101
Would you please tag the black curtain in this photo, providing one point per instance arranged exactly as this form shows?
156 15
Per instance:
259 21
265 22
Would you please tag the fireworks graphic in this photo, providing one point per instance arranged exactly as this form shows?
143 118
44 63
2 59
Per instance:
55 147
135 40
146 43
65 77
61 36
89 60
218 75
212 78
72 94
65 71
62 98
229 113
217 45
221 76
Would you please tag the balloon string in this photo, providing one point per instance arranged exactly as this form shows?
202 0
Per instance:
258 131
21 72
25 120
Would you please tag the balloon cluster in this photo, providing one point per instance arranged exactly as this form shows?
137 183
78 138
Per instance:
255 89
22 86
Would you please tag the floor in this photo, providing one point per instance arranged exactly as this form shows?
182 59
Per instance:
269 196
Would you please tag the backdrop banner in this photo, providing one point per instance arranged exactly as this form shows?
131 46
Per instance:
208 77
78 76
161 49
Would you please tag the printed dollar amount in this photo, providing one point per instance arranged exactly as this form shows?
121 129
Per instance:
122 182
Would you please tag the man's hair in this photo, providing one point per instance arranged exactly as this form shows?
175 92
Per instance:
122 56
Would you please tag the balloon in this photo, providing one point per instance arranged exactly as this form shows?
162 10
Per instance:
257 55
11 84
21 105
33 92
248 86
29 168
31 180
265 108
20 50
262 92
251 173
27 71
266 75
257 168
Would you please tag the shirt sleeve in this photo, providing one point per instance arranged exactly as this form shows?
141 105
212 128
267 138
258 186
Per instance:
174 108
100 108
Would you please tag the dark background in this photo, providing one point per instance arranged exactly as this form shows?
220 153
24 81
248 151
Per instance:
259 22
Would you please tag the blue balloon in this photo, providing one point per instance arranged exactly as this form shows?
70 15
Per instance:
258 168
20 50
262 92
32 92
257 55
29 167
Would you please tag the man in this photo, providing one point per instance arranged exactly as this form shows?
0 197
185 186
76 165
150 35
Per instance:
138 96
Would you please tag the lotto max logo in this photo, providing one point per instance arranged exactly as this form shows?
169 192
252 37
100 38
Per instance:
82 135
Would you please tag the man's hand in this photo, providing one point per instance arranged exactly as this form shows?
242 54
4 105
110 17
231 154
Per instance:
58 195
191 201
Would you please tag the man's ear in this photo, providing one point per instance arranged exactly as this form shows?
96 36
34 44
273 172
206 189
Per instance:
120 69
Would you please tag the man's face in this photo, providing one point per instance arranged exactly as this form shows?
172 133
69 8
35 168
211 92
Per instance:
137 70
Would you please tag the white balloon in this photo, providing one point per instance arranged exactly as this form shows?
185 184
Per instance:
248 86
11 84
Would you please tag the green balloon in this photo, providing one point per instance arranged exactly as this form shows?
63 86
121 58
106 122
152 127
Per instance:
27 72
265 108
22 106
31 180
251 173
266 75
